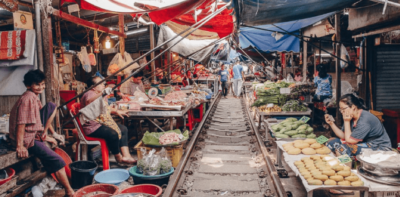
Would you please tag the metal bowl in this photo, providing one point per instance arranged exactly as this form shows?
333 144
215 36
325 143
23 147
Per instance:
378 169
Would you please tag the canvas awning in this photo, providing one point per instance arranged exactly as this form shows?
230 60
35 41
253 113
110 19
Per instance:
186 46
261 12
275 41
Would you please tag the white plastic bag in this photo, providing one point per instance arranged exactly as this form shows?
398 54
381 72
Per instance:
84 58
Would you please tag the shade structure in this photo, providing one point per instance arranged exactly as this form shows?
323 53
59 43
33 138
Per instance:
275 41
261 12
183 12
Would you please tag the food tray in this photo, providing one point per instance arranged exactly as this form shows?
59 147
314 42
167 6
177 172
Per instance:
167 145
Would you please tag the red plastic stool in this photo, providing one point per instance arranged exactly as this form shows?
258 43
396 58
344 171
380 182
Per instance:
191 120
199 110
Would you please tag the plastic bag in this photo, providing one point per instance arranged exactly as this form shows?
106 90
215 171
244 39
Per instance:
84 58
140 96
154 164
92 59
114 65
142 163
166 163
125 61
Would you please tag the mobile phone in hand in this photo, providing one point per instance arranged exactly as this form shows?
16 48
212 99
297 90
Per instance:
331 118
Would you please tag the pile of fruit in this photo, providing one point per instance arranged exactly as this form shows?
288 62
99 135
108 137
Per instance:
264 108
291 127
306 147
327 170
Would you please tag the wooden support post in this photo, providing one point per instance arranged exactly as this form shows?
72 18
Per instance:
52 90
338 69
122 31
153 64
304 60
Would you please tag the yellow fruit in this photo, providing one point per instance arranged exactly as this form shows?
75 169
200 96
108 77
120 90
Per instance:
310 179
323 150
315 170
305 158
351 178
308 151
316 145
301 145
316 173
311 168
346 168
344 183
330 182
326 168
307 176
344 173
303 170
298 163
336 178
294 151
321 177
357 183
315 182
337 168
328 172
298 141
315 157
287 148
310 141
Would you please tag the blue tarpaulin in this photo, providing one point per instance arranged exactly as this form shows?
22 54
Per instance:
262 12
272 41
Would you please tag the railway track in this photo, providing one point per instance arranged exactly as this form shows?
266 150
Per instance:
226 157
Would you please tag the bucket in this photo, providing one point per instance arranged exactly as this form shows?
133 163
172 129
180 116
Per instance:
112 176
156 179
10 173
144 188
97 190
82 173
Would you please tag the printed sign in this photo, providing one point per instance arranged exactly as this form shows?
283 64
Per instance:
305 119
344 158
322 139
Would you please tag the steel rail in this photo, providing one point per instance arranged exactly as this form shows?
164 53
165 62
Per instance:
269 164
169 191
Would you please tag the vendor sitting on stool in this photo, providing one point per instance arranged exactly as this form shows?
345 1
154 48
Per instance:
361 129
27 133
104 126
323 82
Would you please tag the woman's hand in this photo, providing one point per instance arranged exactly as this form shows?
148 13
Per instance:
328 120
51 140
347 115
121 114
22 152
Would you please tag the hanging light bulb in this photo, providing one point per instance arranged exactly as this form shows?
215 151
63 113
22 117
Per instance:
108 43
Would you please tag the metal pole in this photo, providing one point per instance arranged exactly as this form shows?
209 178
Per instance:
304 60
153 64
39 44
338 75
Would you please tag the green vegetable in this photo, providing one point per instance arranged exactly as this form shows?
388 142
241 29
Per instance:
280 135
152 138
301 131
292 119
299 136
311 136
310 129
302 127
276 127
291 133
284 129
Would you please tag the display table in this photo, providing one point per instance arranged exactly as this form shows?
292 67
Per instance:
290 159
209 79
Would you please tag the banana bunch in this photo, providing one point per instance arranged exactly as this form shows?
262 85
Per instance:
264 108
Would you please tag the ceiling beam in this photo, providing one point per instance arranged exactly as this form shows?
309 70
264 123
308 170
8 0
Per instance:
99 17
79 21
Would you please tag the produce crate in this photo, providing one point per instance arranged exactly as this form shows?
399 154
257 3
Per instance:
174 152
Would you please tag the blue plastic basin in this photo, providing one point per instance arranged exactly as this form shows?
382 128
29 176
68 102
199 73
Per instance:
112 176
